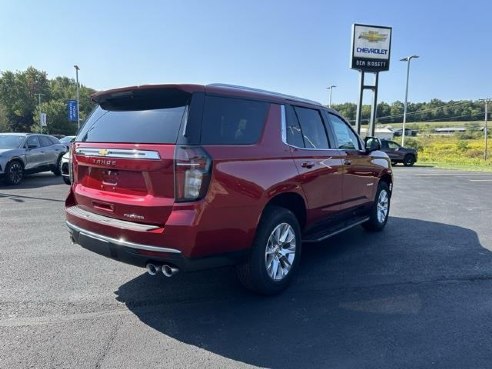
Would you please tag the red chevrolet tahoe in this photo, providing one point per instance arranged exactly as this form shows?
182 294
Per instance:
187 177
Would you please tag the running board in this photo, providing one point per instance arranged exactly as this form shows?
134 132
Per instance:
318 237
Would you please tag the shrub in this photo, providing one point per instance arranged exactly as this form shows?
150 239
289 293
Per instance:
414 144
462 145
473 153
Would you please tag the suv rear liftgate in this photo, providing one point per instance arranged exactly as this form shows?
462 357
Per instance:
125 188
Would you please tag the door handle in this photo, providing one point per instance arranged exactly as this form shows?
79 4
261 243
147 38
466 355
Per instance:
307 164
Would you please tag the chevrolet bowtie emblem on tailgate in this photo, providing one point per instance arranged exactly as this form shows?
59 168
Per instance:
103 152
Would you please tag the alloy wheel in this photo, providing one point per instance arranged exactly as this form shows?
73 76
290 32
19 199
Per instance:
15 172
280 251
383 206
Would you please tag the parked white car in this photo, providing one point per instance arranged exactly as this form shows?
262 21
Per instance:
65 167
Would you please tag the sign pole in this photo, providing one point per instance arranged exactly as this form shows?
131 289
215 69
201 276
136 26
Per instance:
372 124
359 105
40 113
78 95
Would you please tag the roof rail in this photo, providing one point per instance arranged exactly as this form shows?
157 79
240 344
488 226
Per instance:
276 94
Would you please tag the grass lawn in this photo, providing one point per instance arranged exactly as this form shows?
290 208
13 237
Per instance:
452 152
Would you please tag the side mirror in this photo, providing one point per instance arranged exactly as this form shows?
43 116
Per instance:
372 144
30 147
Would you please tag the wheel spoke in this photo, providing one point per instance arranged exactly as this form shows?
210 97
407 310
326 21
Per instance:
285 261
275 265
284 233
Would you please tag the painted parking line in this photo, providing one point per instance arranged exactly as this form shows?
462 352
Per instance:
480 180
452 175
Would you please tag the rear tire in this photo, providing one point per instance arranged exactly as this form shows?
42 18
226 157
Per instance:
380 210
66 180
275 254
14 172
57 169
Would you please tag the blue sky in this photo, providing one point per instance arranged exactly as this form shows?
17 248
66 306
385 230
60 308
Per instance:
294 47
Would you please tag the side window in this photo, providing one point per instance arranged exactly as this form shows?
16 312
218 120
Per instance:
294 133
230 121
45 141
53 140
346 138
393 145
32 142
313 131
384 144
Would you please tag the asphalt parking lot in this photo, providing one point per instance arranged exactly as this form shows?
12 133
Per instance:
417 295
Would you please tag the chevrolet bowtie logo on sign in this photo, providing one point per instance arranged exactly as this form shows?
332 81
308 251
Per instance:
103 152
373 36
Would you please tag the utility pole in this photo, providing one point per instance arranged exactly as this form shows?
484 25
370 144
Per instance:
78 95
331 89
485 129
40 113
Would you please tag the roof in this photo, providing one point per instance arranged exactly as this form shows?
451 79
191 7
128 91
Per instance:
215 88
258 92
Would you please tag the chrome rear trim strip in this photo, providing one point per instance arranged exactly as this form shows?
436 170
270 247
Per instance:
120 242
124 224
118 153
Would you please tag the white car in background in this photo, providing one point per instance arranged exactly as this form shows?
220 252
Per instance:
65 164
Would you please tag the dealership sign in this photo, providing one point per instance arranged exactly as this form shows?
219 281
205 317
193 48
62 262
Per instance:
371 47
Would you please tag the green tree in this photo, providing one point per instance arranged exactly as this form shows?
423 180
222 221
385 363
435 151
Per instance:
397 111
4 123
384 113
348 110
64 89
19 96
56 118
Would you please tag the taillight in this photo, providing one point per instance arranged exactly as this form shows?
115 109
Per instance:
192 167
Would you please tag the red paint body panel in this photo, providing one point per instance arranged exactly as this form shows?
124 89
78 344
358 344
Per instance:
243 180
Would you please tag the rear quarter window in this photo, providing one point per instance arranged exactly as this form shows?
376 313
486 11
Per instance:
232 121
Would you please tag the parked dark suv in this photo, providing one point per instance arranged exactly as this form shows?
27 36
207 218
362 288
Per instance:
186 177
398 153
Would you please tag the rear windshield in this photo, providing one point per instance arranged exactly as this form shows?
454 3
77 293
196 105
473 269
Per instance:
143 126
141 116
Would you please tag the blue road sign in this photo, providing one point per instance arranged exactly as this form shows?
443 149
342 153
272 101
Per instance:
72 111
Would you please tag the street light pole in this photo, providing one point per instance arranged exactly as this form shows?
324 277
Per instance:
78 94
40 113
331 90
407 59
485 128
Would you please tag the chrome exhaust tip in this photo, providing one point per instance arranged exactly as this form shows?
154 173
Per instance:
153 269
169 271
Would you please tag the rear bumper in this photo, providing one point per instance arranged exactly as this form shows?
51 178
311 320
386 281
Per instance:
140 255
